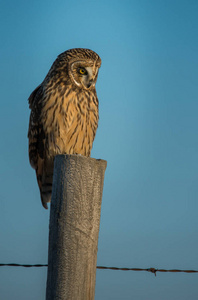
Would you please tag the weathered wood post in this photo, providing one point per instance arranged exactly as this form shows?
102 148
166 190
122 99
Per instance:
74 227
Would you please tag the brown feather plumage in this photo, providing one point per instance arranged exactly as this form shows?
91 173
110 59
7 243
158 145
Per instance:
64 114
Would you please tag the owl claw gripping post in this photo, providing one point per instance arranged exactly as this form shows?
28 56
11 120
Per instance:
64 114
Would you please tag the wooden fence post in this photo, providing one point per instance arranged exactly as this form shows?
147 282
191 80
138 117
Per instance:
74 227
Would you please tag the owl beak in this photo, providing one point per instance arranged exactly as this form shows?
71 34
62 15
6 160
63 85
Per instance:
90 83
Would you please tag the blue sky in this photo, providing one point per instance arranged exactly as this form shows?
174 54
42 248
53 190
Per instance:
147 90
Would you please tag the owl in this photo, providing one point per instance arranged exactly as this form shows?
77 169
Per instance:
64 114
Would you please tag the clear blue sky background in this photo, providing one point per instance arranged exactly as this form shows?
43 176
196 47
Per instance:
148 94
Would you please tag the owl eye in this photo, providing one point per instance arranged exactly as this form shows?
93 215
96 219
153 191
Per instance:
82 71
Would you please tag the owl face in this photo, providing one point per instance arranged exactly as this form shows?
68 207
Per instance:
84 73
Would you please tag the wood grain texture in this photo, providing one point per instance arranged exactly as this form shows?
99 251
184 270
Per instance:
74 227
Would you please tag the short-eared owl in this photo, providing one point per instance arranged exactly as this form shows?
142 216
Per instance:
64 114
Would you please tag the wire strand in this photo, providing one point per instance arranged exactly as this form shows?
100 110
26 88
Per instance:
152 270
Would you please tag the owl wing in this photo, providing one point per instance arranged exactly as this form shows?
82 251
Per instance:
35 131
36 136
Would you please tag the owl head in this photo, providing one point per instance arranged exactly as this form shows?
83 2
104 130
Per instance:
80 65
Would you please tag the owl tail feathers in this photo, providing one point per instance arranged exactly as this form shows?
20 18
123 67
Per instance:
45 198
44 175
45 187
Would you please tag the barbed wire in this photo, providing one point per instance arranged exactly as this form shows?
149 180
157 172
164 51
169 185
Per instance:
25 266
152 270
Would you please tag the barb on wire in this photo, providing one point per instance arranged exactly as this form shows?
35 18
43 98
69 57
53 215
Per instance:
152 270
